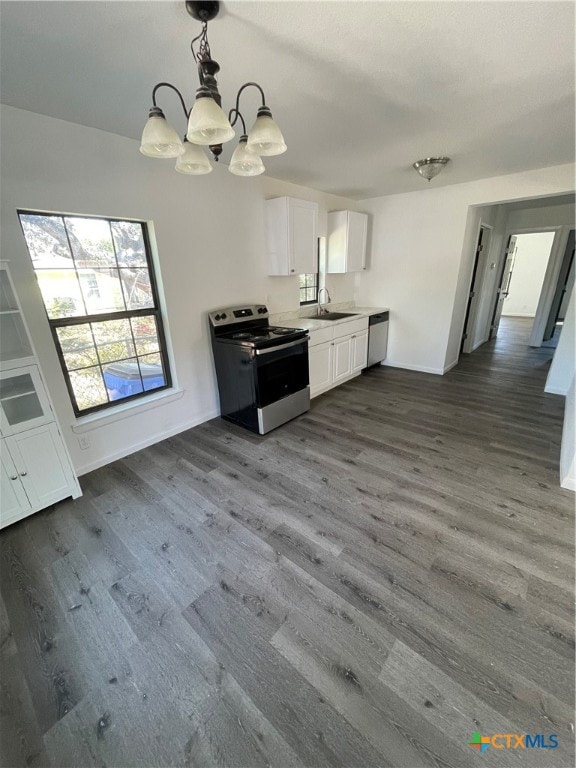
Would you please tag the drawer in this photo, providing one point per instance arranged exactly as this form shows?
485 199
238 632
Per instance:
350 327
320 336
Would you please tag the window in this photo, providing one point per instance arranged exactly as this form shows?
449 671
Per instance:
97 282
309 289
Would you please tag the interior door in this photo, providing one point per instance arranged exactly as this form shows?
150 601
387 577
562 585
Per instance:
565 280
482 248
502 291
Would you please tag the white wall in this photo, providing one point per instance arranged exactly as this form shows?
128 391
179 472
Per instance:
563 363
210 236
561 381
422 255
530 262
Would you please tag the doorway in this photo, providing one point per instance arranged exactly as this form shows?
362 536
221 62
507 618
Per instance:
523 273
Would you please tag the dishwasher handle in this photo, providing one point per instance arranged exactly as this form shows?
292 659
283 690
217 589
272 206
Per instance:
381 317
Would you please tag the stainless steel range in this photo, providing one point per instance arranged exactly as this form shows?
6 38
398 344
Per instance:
262 370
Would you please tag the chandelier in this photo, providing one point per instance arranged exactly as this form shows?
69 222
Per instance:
208 124
430 166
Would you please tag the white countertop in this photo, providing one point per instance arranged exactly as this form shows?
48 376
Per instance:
316 323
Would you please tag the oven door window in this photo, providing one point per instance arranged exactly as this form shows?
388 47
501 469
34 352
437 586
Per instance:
281 373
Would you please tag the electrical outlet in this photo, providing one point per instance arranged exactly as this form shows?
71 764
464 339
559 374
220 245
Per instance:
84 442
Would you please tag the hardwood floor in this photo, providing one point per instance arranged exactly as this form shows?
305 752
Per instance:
368 585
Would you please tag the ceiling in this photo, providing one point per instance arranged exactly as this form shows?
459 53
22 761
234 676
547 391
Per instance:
360 89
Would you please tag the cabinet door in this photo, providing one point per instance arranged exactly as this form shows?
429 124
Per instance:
342 358
356 246
359 351
303 245
40 459
23 400
14 503
320 365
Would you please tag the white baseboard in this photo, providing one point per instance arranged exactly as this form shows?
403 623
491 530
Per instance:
569 483
419 368
152 440
556 391
450 366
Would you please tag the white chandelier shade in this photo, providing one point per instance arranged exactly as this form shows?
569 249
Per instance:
159 139
245 163
193 161
265 138
208 124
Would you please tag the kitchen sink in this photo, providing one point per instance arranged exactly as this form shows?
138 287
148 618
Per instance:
336 315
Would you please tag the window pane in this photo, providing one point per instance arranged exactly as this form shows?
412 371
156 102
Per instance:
61 292
77 346
129 243
114 340
88 387
145 334
302 281
91 242
46 240
101 290
152 372
122 379
137 288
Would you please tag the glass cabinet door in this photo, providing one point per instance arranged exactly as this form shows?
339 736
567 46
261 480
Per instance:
14 342
23 400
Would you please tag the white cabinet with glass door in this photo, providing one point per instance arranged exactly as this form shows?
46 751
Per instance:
36 468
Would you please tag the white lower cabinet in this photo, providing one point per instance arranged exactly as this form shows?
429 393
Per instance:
35 472
334 361
320 365
342 359
359 352
13 500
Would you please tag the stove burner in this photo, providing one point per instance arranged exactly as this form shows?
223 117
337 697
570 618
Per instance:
282 331
249 335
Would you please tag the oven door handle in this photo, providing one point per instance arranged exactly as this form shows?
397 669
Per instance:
269 350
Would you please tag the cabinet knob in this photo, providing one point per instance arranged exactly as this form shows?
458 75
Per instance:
354 336
14 478
292 270
23 474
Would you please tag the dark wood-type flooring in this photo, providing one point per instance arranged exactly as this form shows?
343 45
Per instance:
365 586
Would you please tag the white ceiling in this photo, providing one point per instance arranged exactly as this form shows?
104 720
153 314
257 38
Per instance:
360 89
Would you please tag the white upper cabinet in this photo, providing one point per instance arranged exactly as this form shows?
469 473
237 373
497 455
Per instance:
347 241
292 236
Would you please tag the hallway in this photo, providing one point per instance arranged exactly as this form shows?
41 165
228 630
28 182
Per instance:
369 585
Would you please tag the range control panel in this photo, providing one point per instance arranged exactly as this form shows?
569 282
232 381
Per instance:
230 315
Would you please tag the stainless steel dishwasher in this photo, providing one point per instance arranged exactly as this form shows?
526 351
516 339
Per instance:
377 337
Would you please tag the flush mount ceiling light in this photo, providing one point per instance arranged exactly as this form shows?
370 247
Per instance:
430 166
208 124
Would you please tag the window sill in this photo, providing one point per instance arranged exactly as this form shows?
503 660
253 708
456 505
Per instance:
97 420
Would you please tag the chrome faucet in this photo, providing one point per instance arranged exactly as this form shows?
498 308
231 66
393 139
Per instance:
321 308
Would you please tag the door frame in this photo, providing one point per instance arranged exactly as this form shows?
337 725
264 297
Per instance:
551 276
481 261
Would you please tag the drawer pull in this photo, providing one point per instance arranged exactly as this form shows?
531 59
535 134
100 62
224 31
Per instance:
23 474
14 478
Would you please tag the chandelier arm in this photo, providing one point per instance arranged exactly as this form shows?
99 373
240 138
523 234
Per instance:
173 87
233 116
246 85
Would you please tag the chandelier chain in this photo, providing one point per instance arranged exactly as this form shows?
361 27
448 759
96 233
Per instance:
204 46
